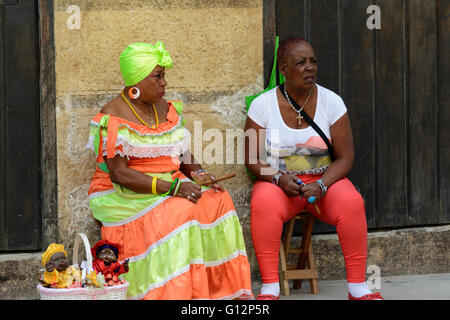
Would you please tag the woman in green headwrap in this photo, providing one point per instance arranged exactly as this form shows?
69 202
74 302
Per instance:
183 241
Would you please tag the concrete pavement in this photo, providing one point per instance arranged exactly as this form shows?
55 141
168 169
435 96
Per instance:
404 287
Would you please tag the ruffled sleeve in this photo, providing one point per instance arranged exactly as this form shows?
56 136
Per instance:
110 136
96 134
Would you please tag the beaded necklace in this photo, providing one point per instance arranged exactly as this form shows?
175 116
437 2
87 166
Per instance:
299 116
139 118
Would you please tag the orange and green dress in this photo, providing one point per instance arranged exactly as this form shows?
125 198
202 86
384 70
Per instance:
176 249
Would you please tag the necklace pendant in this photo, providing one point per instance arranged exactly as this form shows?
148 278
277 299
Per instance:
299 118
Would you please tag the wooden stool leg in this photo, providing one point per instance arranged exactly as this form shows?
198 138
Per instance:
288 236
284 284
313 282
307 227
305 268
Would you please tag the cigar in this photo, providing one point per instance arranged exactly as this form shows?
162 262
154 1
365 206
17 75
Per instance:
221 178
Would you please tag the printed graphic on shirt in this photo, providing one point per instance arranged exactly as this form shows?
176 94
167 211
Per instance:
311 157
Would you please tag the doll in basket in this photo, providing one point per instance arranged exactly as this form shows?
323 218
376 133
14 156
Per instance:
105 255
57 273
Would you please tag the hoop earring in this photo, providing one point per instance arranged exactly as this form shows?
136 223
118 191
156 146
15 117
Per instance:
133 95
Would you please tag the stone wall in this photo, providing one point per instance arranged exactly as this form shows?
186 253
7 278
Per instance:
394 252
217 51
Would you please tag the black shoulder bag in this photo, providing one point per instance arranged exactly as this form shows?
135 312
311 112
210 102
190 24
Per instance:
318 130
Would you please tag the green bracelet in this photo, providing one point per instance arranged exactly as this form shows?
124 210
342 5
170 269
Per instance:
177 188
171 187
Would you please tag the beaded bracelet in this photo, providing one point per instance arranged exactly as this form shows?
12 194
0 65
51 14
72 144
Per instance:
322 186
171 187
200 172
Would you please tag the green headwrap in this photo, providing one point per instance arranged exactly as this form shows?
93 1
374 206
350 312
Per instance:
138 60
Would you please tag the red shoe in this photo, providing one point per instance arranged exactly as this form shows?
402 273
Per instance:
370 296
267 297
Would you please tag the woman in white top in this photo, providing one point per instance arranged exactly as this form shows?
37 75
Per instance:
295 151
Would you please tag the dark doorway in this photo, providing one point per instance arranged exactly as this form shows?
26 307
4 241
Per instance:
20 134
395 83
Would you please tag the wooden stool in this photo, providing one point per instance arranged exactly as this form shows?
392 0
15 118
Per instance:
305 268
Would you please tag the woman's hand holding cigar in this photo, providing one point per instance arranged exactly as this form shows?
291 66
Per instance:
207 180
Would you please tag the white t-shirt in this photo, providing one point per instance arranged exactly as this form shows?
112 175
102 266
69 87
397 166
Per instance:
297 151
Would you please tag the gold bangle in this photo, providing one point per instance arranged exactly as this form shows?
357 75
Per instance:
154 180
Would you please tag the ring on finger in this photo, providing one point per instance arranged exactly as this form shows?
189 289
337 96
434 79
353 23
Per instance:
189 197
193 194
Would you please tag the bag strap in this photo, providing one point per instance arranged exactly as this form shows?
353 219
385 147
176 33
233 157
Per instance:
320 132
311 123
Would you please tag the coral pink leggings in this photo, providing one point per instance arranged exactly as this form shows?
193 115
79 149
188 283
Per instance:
342 207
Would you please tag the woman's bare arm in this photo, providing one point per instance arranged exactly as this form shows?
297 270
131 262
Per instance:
254 144
344 155
132 179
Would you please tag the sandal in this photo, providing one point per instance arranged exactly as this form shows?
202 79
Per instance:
267 297
370 296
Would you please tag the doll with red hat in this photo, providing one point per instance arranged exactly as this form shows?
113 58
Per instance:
105 255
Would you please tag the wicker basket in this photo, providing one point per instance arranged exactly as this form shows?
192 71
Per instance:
118 292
